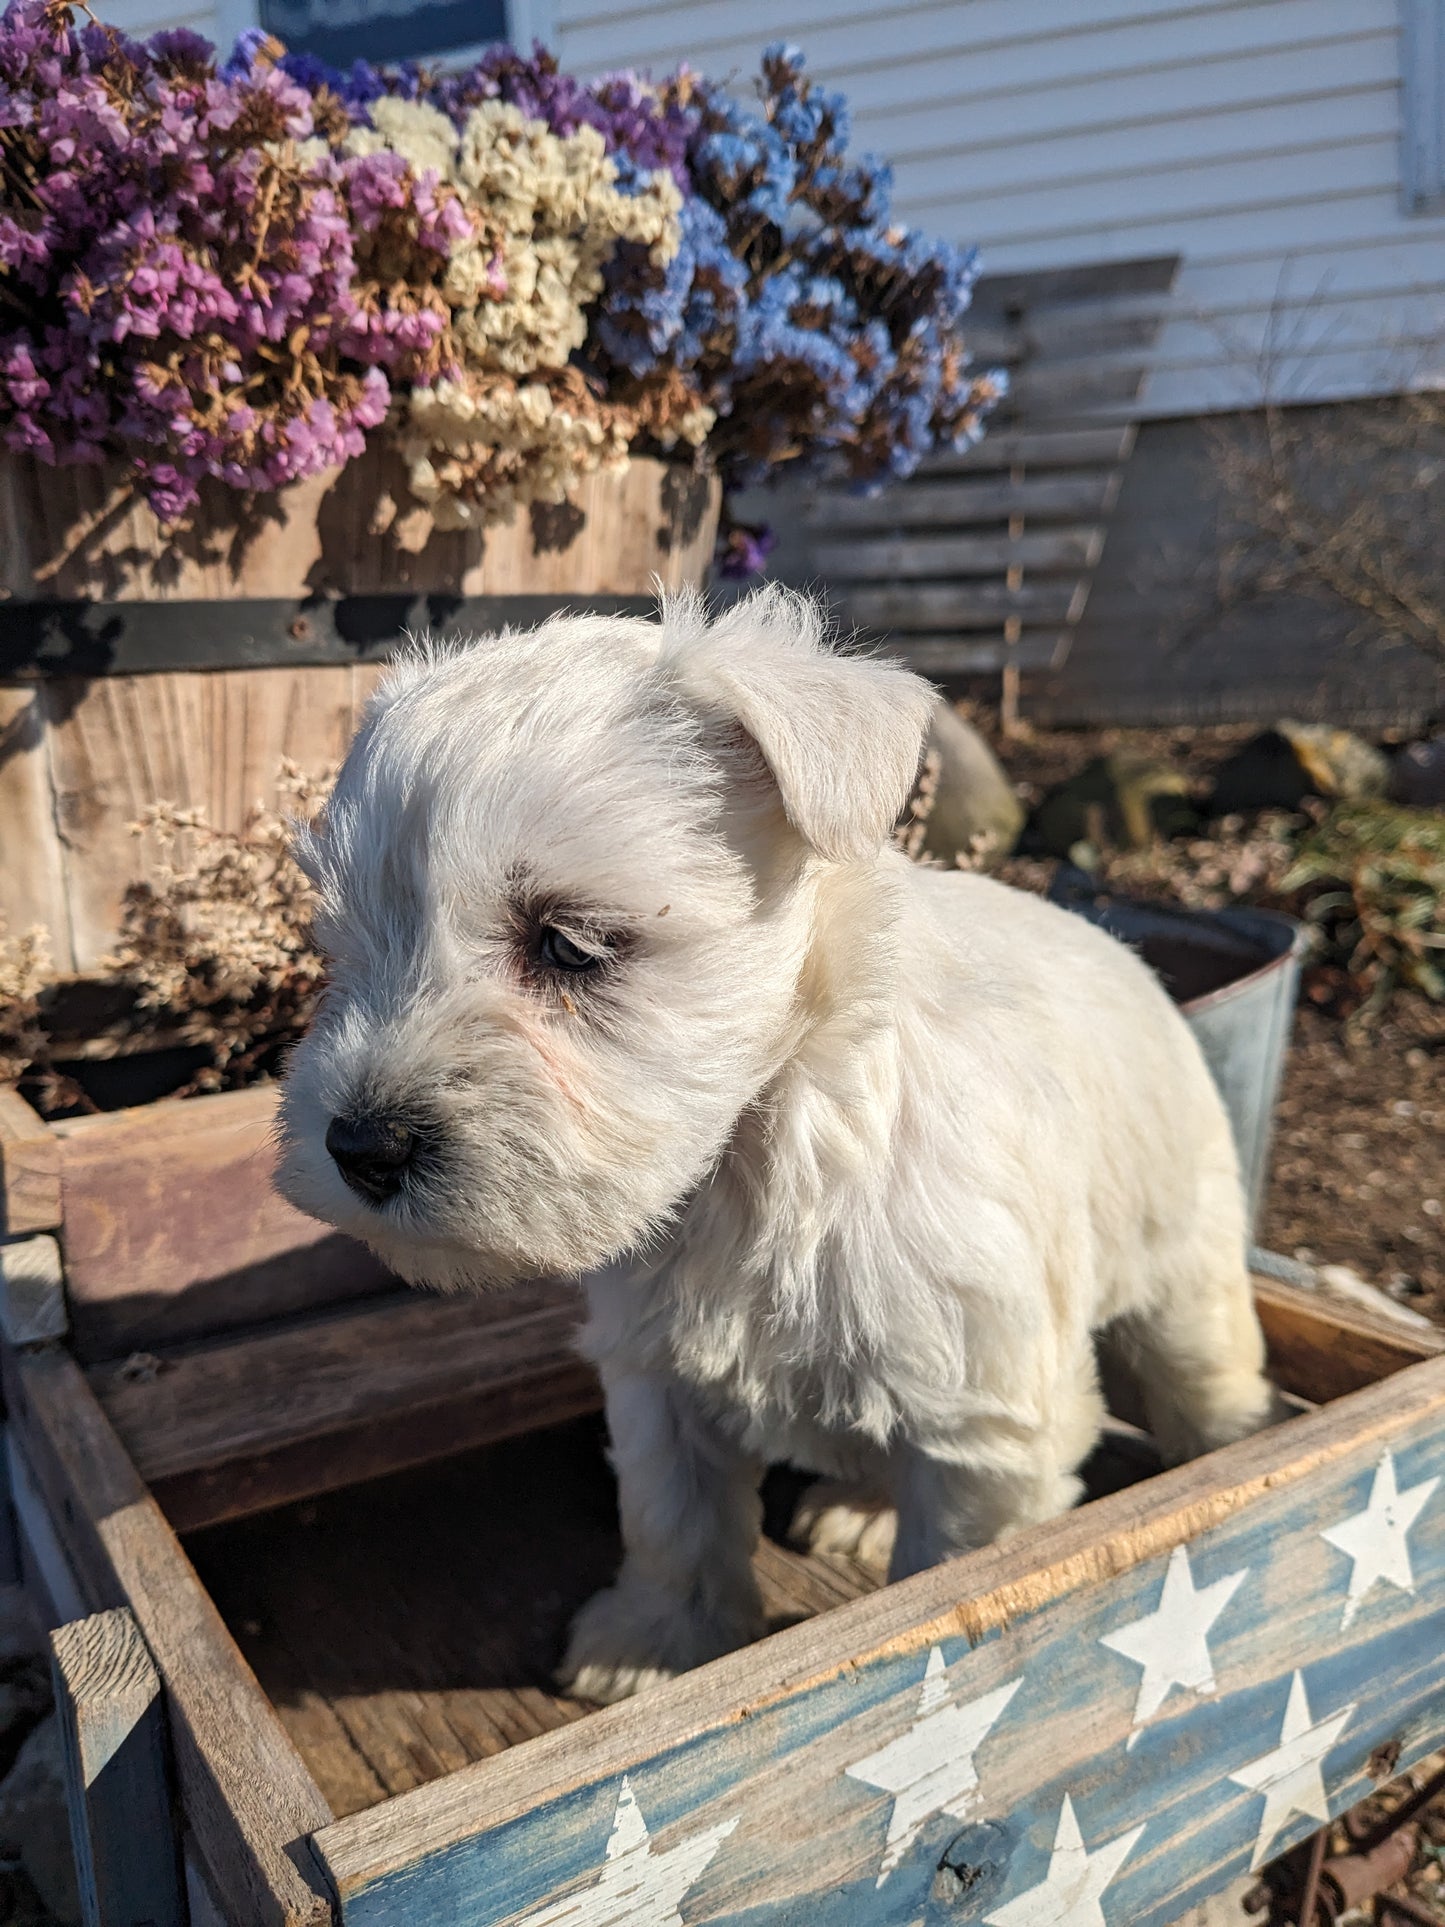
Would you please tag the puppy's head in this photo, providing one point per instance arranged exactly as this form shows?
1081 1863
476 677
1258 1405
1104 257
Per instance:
564 886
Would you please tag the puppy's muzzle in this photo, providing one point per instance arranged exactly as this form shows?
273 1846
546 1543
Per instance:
373 1153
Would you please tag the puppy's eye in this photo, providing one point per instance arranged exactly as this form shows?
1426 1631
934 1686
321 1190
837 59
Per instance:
557 950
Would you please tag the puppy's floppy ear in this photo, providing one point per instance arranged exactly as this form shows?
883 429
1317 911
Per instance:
842 735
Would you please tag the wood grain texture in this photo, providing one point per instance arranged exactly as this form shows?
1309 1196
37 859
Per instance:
32 873
945 557
117 1775
173 1229
409 1627
46 1571
210 740
968 503
83 533
1320 1348
252 1422
1037 447
29 1168
973 605
246 1796
756 1748
32 1291
945 656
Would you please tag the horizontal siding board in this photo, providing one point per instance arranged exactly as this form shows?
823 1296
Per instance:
721 22
1273 233
1406 263
1174 195
1319 378
1208 86
1191 140
1323 326
898 54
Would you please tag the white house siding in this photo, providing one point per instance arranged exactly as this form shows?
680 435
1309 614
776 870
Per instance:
1260 141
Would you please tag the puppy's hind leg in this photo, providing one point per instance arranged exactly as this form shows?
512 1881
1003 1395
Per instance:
995 1477
1198 1353
691 1516
836 1516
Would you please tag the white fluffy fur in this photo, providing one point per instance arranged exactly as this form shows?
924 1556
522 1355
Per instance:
855 1156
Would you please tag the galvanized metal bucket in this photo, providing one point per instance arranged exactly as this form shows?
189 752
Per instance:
1235 976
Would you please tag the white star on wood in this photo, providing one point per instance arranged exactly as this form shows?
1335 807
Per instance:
638 1888
1172 1643
1292 1777
929 1769
1070 1894
1375 1539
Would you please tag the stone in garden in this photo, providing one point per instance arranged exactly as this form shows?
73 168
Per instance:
971 809
1417 775
1122 801
1280 767
34 1828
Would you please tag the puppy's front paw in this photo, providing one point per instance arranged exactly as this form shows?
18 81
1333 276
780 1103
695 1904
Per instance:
628 1639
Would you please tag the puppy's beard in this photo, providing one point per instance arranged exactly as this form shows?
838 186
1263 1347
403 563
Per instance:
426 1239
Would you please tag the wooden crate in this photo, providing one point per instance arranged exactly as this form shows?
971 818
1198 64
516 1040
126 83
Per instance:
1134 1702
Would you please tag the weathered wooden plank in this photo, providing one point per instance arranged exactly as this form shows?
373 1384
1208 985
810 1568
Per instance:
1037 448
253 1422
946 557
1074 387
46 1571
1067 333
1172 1682
32 882
117 1778
29 1169
32 1291
1321 1348
173 1229
945 656
1032 288
928 504
246 1795
215 740
84 534
977 605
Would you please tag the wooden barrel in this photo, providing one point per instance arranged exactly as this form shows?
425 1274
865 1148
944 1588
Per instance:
136 670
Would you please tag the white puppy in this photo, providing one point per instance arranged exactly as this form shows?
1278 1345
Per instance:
628 981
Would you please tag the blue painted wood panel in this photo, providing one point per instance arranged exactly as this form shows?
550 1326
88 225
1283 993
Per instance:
1108 1758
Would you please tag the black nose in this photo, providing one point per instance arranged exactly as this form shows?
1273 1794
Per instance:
371 1153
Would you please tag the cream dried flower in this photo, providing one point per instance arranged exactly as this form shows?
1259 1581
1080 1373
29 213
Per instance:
217 937
513 422
25 969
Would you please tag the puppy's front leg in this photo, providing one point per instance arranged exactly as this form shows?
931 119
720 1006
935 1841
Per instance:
691 1516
